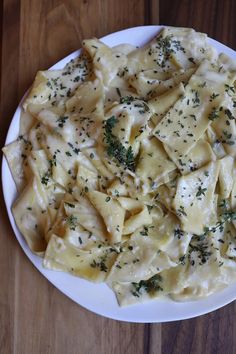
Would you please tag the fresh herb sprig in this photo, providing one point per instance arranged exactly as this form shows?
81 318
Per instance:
114 147
227 216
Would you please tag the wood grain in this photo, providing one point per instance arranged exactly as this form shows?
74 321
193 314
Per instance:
35 317
215 17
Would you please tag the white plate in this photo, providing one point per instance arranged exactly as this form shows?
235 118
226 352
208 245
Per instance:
99 298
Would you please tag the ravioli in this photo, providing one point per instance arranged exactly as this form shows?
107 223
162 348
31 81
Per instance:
194 201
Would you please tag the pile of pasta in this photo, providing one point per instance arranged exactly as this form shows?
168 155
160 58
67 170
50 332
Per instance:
125 167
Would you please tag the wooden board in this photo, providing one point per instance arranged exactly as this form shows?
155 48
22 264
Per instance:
35 317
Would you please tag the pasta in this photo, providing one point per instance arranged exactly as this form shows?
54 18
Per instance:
125 167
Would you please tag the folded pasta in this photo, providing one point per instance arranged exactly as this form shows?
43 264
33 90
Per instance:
125 167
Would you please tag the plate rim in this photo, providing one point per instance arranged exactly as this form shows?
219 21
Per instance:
120 313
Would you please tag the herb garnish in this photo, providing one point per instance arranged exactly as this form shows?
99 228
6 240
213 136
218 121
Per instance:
45 179
101 265
150 286
168 46
214 114
181 211
127 99
213 96
72 222
227 216
61 121
178 233
201 191
202 250
114 147
70 205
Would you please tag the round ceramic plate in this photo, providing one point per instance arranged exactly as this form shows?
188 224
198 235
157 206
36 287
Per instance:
99 298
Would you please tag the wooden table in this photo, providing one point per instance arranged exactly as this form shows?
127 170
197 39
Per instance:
35 317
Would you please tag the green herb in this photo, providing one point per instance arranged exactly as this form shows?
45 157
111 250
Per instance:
229 89
223 204
76 79
214 114
227 216
72 222
118 91
123 71
213 96
181 211
225 139
116 192
201 191
61 121
191 60
178 233
45 179
114 147
195 99
150 286
53 161
167 47
75 149
229 114
49 84
127 99
182 259
144 232
202 250
202 85
70 205
144 107
101 265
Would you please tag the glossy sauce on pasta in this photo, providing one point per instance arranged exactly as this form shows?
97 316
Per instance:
125 167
